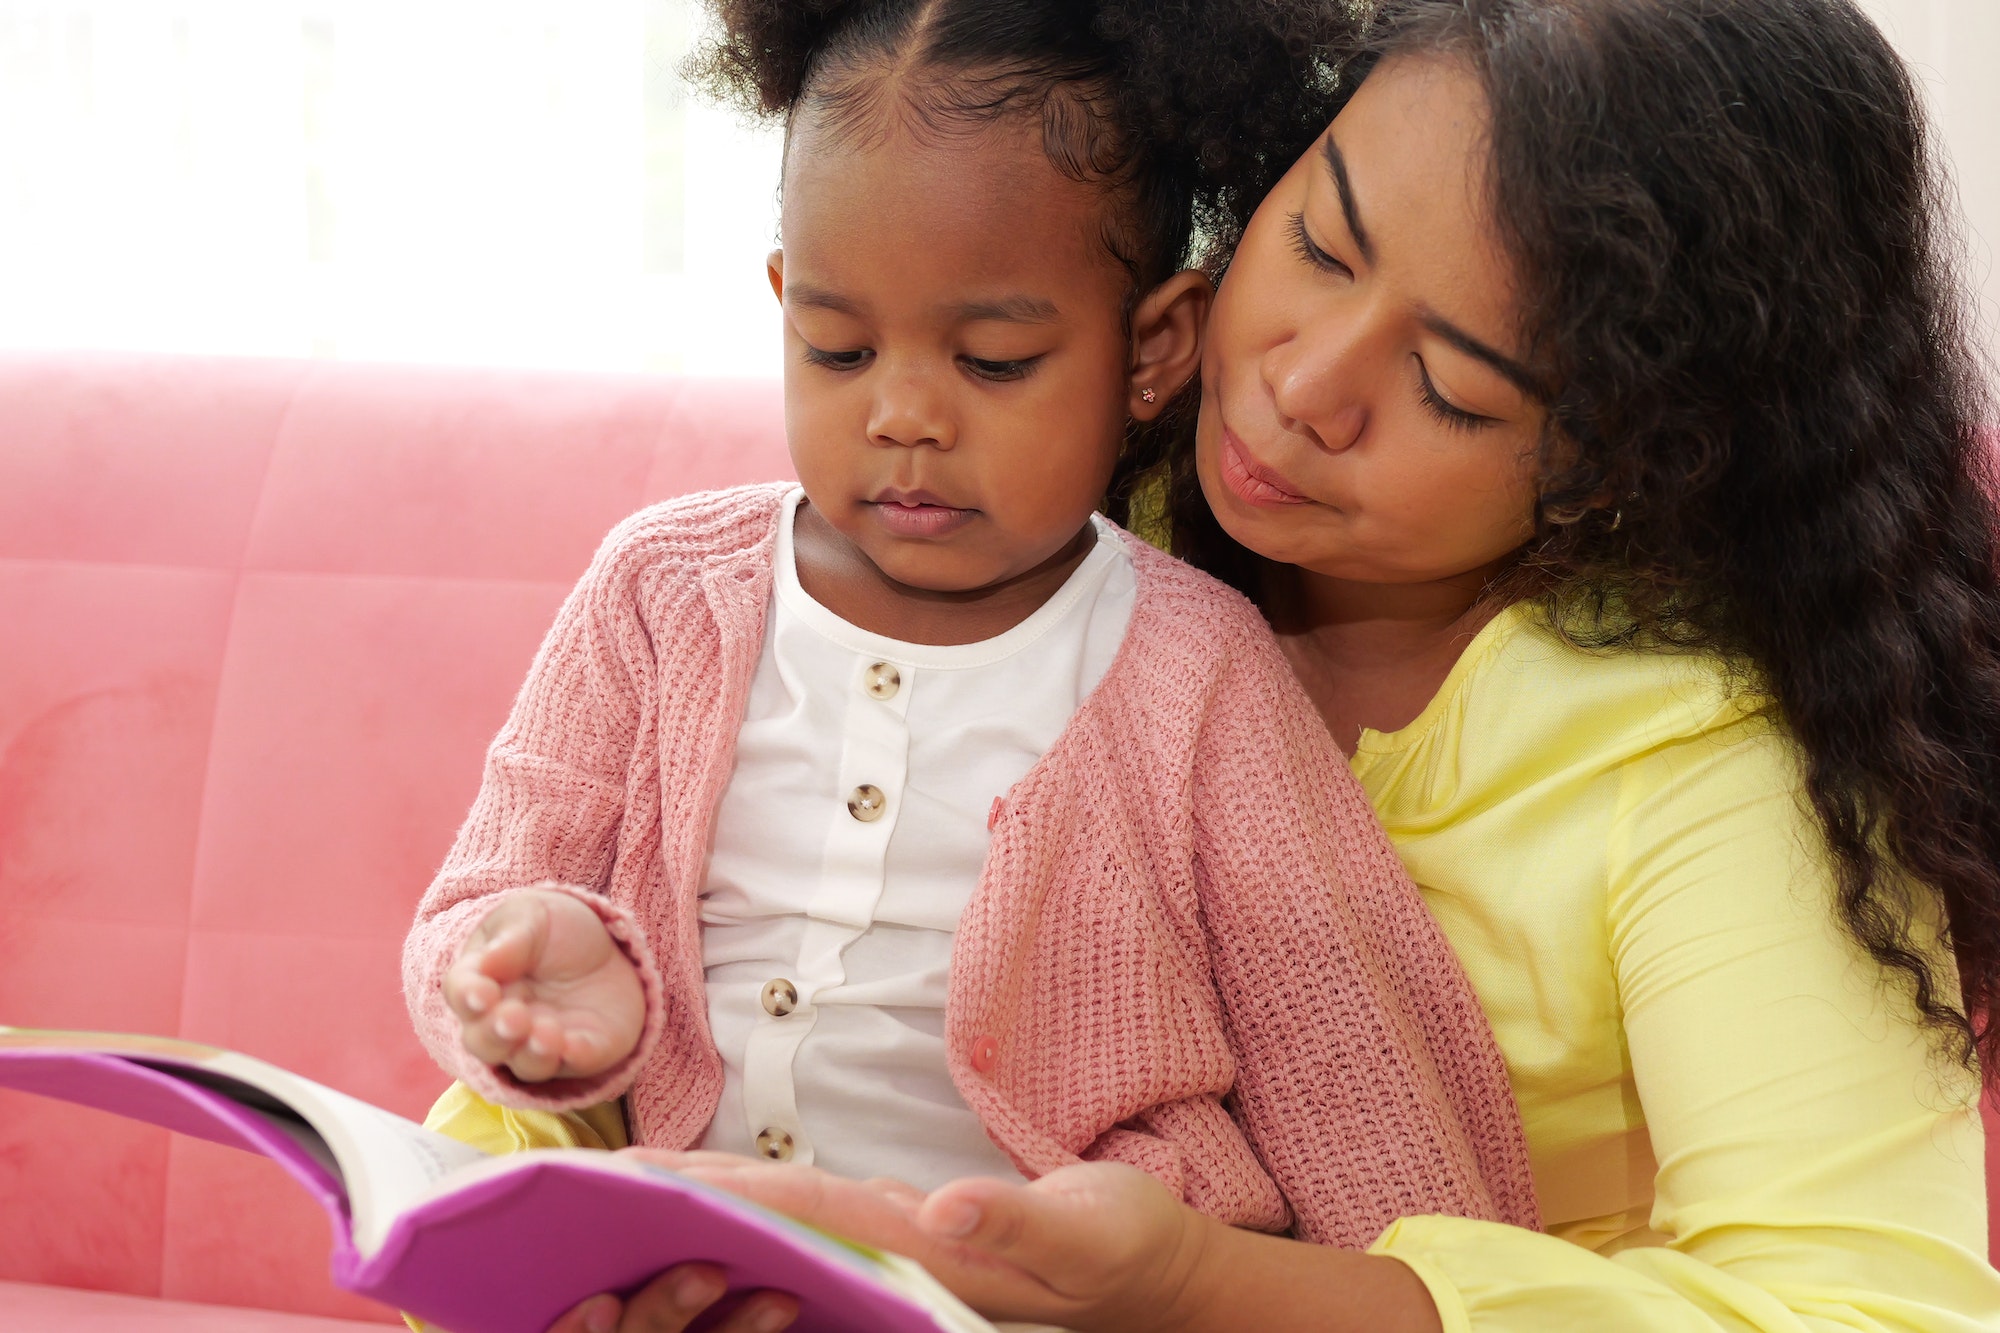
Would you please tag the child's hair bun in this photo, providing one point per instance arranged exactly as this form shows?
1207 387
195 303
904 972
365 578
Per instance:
1241 88
765 49
1221 95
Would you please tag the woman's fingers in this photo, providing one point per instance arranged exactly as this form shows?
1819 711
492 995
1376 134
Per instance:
599 1314
1089 1235
882 1214
878 1213
675 1299
671 1301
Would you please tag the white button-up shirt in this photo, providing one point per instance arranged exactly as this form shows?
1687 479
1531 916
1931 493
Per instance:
852 833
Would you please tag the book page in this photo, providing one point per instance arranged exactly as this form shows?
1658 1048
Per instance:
383 1161
387 1162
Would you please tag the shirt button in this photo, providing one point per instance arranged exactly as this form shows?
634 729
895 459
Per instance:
985 1054
775 1145
881 681
867 802
780 997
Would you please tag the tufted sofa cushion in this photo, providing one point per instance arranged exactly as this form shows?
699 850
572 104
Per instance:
260 620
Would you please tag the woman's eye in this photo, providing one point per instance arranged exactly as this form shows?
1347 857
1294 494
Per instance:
1309 250
1001 370
1436 404
836 360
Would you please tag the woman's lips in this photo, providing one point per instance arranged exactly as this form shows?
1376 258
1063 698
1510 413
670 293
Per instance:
1248 480
919 514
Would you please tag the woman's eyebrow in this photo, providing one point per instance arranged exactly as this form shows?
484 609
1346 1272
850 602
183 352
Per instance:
1517 374
1337 165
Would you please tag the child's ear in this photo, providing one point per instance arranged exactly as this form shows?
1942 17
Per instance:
774 270
1166 341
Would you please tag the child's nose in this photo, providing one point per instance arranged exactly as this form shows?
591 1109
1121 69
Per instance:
909 411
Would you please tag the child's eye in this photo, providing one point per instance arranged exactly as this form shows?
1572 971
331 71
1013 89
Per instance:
1001 370
1309 250
836 360
1457 418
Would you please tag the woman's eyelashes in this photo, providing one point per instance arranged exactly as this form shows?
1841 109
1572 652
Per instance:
1316 255
1312 252
1446 412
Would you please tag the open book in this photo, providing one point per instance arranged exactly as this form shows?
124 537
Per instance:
466 1242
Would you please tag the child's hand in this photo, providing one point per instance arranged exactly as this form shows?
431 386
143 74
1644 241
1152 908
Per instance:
541 988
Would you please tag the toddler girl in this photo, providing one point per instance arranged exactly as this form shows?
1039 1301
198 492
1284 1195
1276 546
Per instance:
916 821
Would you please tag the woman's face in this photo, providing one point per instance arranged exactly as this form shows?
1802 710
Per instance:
1366 413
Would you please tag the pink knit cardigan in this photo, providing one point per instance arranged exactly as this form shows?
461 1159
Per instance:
1192 948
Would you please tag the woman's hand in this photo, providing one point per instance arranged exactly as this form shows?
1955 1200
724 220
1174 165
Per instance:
541 988
1094 1246
676 1299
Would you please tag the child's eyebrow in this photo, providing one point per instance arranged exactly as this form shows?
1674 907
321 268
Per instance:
1011 309
819 298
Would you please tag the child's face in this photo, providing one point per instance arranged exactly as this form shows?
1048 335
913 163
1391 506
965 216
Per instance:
957 367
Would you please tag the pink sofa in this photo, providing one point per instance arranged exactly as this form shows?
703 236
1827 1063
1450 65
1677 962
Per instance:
260 620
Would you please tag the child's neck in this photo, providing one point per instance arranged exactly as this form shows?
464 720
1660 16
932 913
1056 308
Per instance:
836 574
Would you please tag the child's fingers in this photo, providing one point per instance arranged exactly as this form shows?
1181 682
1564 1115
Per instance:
510 952
585 1054
469 993
540 1054
494 1039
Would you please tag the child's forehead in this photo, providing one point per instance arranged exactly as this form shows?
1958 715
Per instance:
955 212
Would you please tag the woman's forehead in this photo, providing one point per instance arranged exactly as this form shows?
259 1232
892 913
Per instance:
1406 166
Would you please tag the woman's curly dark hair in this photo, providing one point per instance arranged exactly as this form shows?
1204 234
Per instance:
1763 440
1187 110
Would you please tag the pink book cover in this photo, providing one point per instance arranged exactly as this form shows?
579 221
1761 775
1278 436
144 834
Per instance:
470 1243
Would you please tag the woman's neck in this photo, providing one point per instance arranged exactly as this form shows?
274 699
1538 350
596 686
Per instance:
1373 655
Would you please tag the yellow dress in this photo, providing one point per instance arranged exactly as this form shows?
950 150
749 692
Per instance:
1733 1122
498 1130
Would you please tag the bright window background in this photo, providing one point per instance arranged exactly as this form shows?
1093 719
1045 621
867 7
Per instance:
506 182
509 182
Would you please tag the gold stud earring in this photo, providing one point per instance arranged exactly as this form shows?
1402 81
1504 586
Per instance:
1147 396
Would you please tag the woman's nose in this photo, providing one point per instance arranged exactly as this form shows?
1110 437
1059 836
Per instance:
1319 380
910 411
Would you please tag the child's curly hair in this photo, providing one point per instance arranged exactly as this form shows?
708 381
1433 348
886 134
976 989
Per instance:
1187 111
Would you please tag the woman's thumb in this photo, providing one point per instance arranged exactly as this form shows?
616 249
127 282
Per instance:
1052 1229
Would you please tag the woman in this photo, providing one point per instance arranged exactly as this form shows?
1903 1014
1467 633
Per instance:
1590 412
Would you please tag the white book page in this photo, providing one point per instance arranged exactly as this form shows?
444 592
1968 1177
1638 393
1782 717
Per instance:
384 1162
387 1162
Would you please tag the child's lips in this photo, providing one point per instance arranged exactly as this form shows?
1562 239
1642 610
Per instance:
919 514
